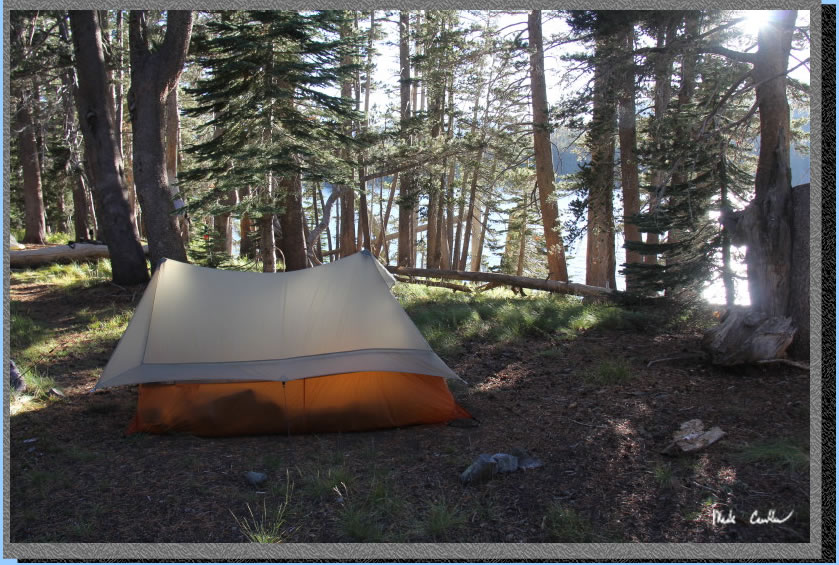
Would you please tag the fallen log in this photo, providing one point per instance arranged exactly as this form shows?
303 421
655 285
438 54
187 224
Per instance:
509 280
60 254
439 284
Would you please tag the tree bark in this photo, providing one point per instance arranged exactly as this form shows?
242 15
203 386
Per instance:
347 202
294 244
600 239
386 217
153 76
407 235
246 244
769 253
96 117
663 70
173 144
630 184
33 198
557 269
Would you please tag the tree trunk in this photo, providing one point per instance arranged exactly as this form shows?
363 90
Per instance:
33 199
293 223
173 144
557 269
470 212
630 185
80 205
600 239
96 117
348 236
386 217
153 76
663 68
246 244
407 236
769 253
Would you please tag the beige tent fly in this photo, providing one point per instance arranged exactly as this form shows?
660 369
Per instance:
324 349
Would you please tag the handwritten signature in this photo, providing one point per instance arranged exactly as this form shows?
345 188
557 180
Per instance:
717 517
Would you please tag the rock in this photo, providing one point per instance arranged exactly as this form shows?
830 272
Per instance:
691 436
505 463
15 379
526 461
481 470
255 478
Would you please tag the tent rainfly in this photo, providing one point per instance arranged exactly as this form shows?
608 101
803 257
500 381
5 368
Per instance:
328 349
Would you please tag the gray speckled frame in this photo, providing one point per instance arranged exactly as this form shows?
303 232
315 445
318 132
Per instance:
460 551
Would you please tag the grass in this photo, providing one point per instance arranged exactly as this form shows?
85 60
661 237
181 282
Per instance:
321 484
663 474
565 525
608 373
67 275
443 520
782 453
448 320
267 528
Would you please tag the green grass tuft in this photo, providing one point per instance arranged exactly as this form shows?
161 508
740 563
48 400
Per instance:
267 528
565 525
609 373
443 520
778 452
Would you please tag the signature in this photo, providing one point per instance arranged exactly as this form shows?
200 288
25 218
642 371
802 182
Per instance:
717 517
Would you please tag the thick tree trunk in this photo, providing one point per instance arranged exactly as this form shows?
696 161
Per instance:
96 117
557 269
600 239
80 205
153 76
294 246
769 254
33 199
630 185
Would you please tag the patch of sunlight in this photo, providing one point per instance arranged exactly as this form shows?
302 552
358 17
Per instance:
623 427
727 475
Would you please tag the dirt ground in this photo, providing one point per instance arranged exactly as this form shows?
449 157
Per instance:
603 479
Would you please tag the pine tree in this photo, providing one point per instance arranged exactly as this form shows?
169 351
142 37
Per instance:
267 74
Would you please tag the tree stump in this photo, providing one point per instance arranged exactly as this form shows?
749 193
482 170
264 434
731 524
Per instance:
745 336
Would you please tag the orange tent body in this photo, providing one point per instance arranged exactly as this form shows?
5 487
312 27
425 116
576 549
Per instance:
334 403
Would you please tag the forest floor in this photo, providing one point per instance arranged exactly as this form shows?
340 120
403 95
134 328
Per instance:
571 386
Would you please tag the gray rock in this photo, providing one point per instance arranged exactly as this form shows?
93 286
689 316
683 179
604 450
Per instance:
481 470
505 463
526 461
255 478
16 381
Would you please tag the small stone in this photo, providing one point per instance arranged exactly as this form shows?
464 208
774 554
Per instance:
572 405
255 478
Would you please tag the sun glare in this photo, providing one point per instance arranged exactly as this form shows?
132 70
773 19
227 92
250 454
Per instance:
755 19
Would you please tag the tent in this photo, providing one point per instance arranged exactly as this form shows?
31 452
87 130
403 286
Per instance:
326 349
